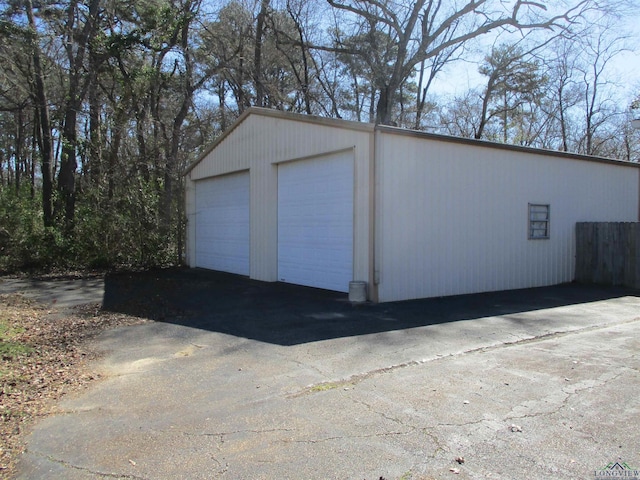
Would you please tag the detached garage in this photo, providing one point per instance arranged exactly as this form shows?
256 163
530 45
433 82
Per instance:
323 203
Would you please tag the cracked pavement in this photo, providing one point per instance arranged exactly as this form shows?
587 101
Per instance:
536 392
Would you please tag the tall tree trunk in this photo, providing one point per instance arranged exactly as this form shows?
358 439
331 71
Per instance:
32 157
304 81
2 169
505 119
18 148
563 121
95 132
76 94
172 143
372 105
385 105
68 165
44 130
257 53
223 108
589 129
117 129
484 116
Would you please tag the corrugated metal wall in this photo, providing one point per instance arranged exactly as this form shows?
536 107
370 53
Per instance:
259 143
453 218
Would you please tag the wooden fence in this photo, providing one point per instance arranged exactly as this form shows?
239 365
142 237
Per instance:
608 253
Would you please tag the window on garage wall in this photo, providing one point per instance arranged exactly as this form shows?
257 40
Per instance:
539 221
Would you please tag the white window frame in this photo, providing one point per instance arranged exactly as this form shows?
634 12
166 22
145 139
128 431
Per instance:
539 224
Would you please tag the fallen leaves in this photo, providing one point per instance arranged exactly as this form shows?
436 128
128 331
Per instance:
53 363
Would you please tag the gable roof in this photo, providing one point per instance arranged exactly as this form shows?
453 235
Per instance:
296 117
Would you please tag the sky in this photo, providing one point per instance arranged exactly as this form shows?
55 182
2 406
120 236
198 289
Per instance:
624 71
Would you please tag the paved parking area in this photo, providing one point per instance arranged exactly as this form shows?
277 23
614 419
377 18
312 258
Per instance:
244 380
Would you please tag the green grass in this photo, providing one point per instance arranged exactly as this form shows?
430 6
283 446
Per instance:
323 387
9 347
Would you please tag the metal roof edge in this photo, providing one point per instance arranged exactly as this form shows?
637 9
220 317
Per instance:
267 112
302 117
370 127
502 146
217 141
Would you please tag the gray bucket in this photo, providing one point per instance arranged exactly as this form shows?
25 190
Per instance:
357 292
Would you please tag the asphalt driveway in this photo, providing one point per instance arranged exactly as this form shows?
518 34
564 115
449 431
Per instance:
238 379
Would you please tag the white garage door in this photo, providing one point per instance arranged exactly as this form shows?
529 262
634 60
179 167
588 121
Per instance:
222 223
315 222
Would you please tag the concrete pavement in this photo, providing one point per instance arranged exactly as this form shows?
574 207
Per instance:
62 292
542 383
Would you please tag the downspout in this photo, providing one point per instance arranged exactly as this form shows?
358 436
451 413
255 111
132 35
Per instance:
374 267
635 124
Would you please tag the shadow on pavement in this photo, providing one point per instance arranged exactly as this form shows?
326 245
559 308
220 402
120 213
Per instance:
285 314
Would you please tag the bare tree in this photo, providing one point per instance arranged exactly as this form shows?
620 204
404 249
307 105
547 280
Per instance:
598 50
422 29
433 66
564 92
461 116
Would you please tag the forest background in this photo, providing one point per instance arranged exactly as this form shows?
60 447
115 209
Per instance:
104 103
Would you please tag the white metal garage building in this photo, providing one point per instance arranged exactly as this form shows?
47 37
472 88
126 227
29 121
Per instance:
323 202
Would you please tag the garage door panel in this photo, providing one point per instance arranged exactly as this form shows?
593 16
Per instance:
315 222
222 224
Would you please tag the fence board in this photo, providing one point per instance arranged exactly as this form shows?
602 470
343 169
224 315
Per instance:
608 253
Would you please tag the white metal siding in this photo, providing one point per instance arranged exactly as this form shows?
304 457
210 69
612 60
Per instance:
222 223
260 143
190 209
315 222
452 218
